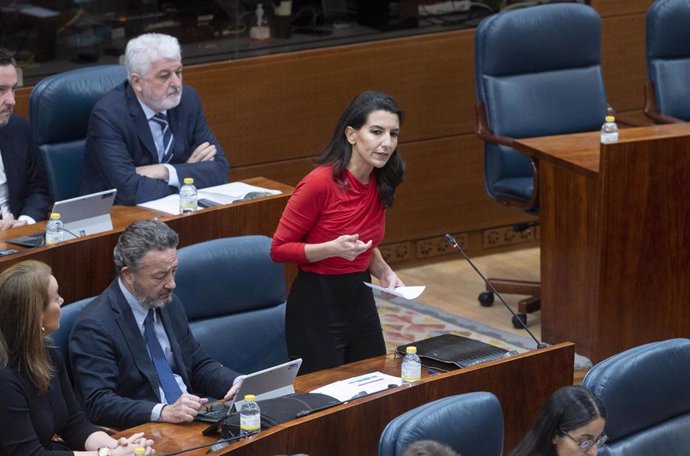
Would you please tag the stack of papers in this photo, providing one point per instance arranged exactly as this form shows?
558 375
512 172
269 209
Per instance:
221 194
355 387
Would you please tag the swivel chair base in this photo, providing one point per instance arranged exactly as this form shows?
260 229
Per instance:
520 287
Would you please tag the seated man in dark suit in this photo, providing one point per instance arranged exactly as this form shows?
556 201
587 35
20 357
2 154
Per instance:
134 358
149 133
23 191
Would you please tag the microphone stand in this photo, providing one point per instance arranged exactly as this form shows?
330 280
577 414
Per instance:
451 240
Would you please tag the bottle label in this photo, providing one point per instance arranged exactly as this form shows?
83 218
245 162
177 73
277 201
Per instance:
250 423
610 137
411 371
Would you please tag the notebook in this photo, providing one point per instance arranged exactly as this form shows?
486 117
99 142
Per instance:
272 382
81 216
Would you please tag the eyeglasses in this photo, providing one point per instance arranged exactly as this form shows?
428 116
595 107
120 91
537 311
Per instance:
585 443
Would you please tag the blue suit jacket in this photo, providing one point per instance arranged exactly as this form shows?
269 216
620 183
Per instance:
114 376
28 192
119 139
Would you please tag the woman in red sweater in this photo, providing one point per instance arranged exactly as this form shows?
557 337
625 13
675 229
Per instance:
331 227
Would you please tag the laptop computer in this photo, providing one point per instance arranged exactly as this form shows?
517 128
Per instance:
276 381
81 216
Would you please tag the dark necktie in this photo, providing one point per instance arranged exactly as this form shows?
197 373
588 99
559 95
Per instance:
168 139
165 376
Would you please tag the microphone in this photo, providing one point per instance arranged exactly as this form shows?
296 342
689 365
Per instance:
451 240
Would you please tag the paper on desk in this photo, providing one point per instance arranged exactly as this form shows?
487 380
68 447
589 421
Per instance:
223 194
344 390
402 292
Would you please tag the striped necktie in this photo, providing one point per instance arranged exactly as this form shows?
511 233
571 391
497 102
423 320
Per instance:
168 139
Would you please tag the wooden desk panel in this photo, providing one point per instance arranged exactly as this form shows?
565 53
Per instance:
614 265
522 383
84 266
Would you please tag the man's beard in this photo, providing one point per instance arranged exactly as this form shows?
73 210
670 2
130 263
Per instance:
149 302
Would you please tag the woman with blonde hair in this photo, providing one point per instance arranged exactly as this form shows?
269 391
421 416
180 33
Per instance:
37 402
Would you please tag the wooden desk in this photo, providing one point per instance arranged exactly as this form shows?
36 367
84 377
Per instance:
615 267
522 383
84 266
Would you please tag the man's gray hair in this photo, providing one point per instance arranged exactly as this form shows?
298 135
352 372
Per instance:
140 238
145 49
429 448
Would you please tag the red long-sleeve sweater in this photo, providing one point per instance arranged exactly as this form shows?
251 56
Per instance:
321 209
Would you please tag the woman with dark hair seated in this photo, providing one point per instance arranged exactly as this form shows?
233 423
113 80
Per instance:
37 402
570 424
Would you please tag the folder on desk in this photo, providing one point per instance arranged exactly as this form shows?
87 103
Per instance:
449 352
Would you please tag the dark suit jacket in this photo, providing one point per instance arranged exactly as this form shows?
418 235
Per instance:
119 139
114 376
28 191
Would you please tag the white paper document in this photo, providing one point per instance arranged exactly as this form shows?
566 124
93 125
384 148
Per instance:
402 292
354 387
222 194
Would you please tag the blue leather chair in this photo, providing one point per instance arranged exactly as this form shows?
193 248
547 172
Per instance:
234 297
647 399
59 109
537 73
667 92
471 424
60 338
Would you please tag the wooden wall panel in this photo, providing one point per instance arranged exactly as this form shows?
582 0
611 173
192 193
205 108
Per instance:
620 7
285 107
623 60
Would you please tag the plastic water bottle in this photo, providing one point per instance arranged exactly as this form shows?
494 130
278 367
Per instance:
609 131
411 370
250 416
188 196
54 229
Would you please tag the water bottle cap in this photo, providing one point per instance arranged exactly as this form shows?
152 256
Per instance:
411 349
610 119
249 397
55 216
188 180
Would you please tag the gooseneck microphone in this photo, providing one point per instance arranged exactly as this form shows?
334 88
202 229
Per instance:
451 240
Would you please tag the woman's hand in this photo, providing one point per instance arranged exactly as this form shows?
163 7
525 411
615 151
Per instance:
347 246
127 445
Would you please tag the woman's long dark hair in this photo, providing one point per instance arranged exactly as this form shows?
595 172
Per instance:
339 150
568 408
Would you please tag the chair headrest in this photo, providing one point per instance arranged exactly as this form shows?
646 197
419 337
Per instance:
537 39
668 34
228 275
643 386
60 105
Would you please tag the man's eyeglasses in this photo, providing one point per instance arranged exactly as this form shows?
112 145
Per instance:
585 444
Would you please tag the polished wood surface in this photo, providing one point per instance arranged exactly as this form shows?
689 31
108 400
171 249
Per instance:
522 384
84 266
614 265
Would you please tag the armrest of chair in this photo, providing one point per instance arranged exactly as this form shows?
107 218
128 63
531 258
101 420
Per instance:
485 133
651 109
483 130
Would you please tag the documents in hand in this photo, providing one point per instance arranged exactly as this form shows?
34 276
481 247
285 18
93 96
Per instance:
222 194
402 292
354 387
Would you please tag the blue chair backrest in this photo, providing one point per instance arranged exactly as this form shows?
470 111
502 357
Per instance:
59 110
234 297
471 424
68 315
647 399
538 73
668 56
